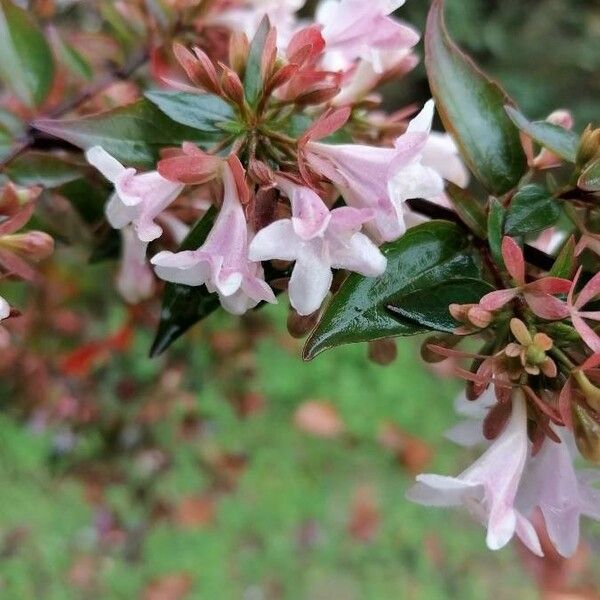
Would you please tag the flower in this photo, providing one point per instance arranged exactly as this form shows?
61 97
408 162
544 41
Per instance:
538 294
546 159
221 263
590 290
488 488
469 431
135 280
318 240
4 314
138 199
381 179
562 494
531 350
355 29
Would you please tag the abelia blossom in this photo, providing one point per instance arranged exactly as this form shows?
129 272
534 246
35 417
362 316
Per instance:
135 280
4 314
319 240
355 29
469 431
221 263
488 488
578 316
381 179
138 199
538 294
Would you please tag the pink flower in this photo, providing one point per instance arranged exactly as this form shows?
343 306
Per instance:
469 431
546 159
135 280
222 262
318 240
561 493
381 179
355 29
538 294
488 488
574 306
138 199
4 314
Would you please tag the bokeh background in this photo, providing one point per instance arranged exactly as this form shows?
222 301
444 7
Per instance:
229 469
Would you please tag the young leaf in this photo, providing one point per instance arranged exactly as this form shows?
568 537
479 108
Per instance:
253 81
425 256
429 307
564 266
472 109
26 64
42 168
133 134
468 208
201 111
590 178
183 306
532 209
560 141
495 229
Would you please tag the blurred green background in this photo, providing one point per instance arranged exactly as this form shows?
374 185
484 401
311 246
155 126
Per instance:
230 469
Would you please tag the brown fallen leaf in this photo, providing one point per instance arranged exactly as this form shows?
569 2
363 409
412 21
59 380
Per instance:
175 586
195 512
411 452
364 514
319 418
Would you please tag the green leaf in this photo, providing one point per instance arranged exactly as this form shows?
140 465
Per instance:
429 307
26 63
201 111
253 80
590 178
469 209
86 198
41 168
73 59
532 209
564 266
472 109
183 306
133 134
561 142
495 229
425 256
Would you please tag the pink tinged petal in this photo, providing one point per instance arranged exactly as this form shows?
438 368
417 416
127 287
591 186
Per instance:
183 267
347 218
422 122
501 526
441 154
528 535
358 254
310 281
546 307
549 285
110 167
513 259
439 490
135 280
276 241
4 308
15 265
588 335
496 300
590 290
18 220
118 214
415 181
467 433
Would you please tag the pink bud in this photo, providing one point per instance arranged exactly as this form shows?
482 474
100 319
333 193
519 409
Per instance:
35 245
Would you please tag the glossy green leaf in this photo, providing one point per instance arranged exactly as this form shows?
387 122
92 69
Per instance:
183 306
468 208
201 111
590 178
42 168
26 63
561 142
425 256
429 307
87 198
532 209
495 230
253 78
472 109
133 134
565 263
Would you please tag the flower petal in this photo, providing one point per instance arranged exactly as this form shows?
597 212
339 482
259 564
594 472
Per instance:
310 282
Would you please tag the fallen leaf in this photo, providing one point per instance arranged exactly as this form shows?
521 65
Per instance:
170 587
318 418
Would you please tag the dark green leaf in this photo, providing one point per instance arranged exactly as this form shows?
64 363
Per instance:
427 255
26 63
561 142
472 109
564 266
590 178
88 199
469 209
532 209
253 78
201 111
183 306
495 229
429 307
41 168
133 134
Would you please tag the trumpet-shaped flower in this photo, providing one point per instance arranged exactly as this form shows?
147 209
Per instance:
488 488
221 263
318 240
538 294
578 316
381 179
138 198
135 280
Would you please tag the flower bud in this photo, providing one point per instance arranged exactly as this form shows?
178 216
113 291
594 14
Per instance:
589 390
238 51
587 434
589 146
35 245
232 86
